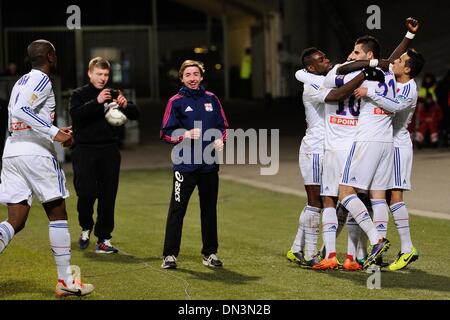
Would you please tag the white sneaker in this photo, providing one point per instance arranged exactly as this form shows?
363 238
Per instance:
83 242
76 289
169 262
105 247
212 261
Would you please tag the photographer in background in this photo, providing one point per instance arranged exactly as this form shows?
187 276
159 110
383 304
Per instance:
96 155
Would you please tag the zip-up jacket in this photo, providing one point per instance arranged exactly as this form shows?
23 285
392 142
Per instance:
181 111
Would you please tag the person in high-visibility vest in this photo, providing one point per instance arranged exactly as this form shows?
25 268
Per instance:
429 113
246 74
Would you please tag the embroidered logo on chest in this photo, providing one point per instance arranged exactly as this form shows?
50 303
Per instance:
208 107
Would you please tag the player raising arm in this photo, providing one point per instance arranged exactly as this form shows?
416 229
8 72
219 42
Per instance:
406 68
412 26
317 65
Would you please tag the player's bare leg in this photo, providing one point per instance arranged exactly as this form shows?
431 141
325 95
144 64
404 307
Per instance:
56 210
313 194
17 217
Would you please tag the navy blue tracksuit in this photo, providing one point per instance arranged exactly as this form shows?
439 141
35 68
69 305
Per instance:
182 110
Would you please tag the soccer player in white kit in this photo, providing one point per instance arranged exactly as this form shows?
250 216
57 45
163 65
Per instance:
365 48
405 69
310 158
341 119
369 159
340 126
311 149
30 167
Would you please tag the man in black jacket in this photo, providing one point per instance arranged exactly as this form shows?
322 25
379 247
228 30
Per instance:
96 155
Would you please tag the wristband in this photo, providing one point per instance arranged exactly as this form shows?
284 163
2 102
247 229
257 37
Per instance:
410 35
373 63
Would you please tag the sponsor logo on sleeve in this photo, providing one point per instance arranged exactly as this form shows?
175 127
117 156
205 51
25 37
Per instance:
379 111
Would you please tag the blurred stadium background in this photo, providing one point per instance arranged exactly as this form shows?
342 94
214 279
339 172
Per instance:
146 41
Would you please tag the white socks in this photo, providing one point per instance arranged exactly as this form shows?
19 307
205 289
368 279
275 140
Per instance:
6 235
380 215
359 212
329 228
354 232
59 235
312 229
299 241
361 251
308 232
342 215
401 220
310 224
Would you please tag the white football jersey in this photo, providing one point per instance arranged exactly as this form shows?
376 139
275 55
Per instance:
314 95
375 121
403 118
31 113
383 101
341 117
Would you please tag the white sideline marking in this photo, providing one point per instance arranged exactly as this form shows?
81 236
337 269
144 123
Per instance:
286 190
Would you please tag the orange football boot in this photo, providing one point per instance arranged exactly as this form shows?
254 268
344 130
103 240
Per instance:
351 265
325 264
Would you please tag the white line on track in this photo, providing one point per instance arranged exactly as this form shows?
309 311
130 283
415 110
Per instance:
300 193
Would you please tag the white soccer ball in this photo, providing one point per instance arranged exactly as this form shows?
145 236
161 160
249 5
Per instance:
115 117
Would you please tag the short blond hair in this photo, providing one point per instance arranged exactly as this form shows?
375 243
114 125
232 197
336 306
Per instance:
191 63
99 62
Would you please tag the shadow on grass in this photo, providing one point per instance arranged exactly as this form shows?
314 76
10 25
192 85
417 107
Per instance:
9 288
220 275
119 258
414 279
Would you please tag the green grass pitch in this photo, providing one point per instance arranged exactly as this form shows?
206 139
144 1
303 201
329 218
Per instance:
256 228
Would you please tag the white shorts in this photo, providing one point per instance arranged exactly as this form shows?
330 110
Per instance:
25 176
401 174
369 166
311 168
333 165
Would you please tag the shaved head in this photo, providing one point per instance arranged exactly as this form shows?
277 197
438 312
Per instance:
39 52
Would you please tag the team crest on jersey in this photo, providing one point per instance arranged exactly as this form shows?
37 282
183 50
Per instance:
34 97
208 107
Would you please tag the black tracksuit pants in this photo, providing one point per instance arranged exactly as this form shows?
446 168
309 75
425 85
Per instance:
183 186
96 177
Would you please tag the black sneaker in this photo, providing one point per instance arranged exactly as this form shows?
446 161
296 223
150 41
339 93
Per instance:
83 242
169 262
212 261
105 247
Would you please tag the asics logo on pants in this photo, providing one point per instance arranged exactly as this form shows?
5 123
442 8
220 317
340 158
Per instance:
179 177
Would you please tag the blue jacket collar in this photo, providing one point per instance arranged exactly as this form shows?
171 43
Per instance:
185 91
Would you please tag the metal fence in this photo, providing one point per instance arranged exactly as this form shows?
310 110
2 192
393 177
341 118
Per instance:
129 48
